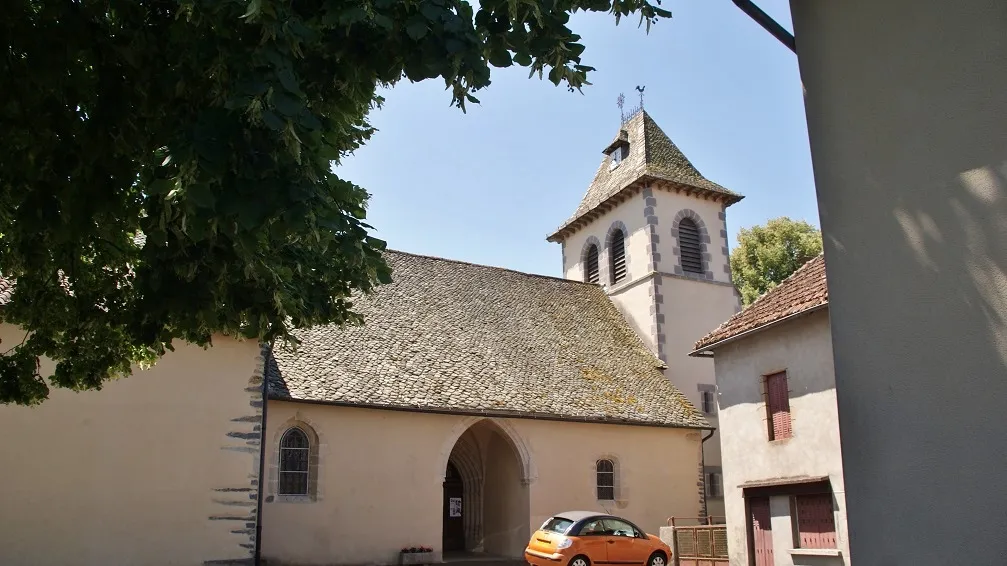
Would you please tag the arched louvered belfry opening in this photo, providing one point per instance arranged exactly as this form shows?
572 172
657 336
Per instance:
591 270
689 246
617 256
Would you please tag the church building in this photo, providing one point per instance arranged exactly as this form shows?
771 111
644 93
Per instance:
473 403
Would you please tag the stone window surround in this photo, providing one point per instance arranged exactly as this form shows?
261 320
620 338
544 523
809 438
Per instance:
704 242
315 446
618 225
621 493
604 256
591 241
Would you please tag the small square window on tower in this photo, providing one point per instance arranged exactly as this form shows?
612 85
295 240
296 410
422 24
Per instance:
617 154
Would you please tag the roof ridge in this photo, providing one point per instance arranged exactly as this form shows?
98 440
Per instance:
494 267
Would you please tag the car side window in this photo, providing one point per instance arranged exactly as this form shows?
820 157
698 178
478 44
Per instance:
593 528
617 528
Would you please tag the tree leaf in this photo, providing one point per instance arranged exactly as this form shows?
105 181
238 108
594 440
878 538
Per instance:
216 141
416 28
200 195
272 121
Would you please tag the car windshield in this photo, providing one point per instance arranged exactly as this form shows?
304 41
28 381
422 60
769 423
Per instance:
557 525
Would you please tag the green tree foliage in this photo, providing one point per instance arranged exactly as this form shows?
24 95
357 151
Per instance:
166 165
766 255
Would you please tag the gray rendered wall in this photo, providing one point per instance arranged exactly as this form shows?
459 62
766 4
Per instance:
907 112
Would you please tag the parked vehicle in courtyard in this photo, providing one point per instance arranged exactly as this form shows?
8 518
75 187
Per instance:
586 538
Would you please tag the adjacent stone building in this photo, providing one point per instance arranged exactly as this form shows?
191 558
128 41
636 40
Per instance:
783 469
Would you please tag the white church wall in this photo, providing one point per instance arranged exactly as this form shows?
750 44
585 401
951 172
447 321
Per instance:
629 216
157 468
635 301
381 473
711 218
655 470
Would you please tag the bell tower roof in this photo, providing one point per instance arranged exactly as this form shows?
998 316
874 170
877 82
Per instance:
640 153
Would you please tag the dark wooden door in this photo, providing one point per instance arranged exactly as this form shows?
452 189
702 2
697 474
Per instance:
454 508
762 531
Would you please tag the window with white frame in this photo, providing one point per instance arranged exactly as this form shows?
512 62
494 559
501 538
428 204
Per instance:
293 471
605 479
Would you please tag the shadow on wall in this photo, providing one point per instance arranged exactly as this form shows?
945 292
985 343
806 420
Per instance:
925 354
816 560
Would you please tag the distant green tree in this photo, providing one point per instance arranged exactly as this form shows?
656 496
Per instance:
766 255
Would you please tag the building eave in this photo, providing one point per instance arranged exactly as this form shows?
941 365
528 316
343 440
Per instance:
491 413
707 350
630 190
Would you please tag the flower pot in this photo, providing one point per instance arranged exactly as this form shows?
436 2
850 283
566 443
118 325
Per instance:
407 558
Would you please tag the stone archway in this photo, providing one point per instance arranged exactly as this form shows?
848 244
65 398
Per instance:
492 466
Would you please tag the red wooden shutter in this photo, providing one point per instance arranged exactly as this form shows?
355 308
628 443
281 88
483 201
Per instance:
815 521
762 531
778 404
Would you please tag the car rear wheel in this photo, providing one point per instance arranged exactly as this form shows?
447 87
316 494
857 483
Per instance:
583 561
657 559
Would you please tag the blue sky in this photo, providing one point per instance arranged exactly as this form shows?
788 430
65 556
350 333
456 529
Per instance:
488 186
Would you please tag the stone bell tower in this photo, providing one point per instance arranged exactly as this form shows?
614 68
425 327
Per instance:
652 231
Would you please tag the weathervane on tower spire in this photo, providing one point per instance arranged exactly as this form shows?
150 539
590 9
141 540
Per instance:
620 102
640 90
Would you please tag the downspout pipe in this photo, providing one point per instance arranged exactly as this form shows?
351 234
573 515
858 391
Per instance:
770 25
262 461
702 457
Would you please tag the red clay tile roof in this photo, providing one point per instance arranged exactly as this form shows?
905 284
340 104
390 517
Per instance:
805 289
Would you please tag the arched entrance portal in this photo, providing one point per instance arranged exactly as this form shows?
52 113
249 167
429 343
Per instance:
486 507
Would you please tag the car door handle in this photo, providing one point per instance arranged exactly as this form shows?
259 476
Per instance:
611 542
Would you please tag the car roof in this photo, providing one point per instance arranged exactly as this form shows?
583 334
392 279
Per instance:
576 516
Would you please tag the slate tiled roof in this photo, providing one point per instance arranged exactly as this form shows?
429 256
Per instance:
6 289
454 337
652 155
805 289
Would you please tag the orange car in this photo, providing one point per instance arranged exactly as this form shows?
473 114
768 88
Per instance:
583 538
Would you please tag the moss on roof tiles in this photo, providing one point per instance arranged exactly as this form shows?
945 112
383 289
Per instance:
457 337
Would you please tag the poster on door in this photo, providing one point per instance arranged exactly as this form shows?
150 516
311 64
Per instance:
454 507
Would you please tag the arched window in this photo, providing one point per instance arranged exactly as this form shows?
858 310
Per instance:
591 265
617 256
689 247
605 479
293 463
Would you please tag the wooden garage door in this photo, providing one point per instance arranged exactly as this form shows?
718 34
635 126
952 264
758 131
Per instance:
762 532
